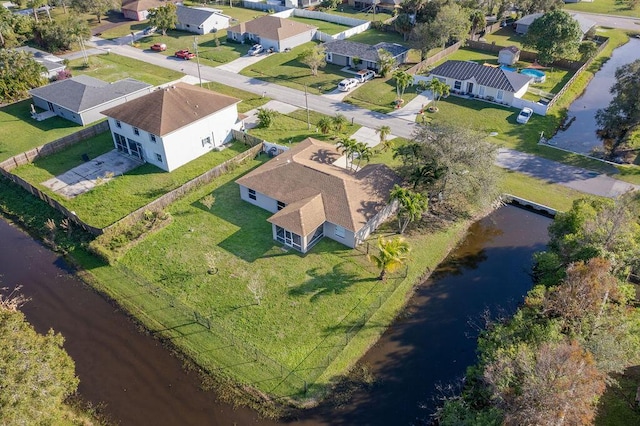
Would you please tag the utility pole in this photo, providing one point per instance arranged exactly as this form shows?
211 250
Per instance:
306 104
195 46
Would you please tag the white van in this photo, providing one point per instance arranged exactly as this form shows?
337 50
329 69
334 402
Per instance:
347 84
364 75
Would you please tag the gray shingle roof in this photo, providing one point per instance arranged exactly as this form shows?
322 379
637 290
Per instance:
366 52
81 93
485 76
585 23
194 16
39 55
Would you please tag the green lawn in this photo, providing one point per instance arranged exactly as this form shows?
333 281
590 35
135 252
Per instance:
324 26
505 36
617 405
114 67
111 201
372 37
293 128
378 94
607 7
285 69
21 133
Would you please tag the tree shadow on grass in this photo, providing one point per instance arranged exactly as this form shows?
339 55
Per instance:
326 284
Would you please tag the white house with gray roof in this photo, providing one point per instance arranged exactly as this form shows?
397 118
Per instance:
481 81
80 99
343 53
272 32
201 20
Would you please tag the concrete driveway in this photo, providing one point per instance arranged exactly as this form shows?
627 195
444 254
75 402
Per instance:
241 63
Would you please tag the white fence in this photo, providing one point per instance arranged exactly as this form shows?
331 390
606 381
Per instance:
537 108
357 25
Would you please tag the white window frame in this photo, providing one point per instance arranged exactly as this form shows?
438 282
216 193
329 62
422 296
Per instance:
457 85
500 95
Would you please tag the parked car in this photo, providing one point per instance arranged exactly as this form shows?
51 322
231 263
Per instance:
149 30
185 54
524 115
364 75
255 49
160 47
347 84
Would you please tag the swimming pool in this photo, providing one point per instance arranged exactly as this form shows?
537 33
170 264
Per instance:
537 75
506 68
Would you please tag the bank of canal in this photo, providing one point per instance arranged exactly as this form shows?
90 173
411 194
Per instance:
432 342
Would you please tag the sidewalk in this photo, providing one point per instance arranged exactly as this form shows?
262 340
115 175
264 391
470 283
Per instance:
412 110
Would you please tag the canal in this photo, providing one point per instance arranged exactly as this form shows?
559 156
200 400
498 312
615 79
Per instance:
432 342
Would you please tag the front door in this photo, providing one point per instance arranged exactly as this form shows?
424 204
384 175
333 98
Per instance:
135 149
469 87
288 238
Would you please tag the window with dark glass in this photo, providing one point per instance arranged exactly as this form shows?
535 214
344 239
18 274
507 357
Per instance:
281 205
252 194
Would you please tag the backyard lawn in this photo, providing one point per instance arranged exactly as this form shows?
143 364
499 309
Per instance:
505 36
324 26
285 69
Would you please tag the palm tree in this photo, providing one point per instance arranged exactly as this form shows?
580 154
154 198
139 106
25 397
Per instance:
348 147
384 132
325 124
403 80
392 255
339 123
411 205
439 89
362 152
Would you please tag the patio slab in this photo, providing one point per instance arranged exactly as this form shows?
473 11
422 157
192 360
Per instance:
86 176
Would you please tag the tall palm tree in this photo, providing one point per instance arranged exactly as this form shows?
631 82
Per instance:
384 132
339 123
392 255
403 80
439 89
411 205
362 152
325 124
348 147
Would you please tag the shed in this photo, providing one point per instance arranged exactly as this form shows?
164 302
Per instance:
509 55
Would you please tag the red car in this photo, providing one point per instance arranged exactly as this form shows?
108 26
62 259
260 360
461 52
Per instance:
160 47
185 54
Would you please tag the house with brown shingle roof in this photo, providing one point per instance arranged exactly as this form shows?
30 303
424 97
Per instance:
138 10
311 197
173 125
272 32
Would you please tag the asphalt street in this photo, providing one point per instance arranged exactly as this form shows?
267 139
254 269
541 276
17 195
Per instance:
582 180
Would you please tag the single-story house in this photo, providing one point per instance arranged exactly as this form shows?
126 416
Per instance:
343 53
80 99
138 10
485 82
509 55
173 125
272 32
201 20
51 62
311 198
380 4
522 25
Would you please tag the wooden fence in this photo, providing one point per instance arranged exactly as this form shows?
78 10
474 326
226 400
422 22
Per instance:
435 58
53 147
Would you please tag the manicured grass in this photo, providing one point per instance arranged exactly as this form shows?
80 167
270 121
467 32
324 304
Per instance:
285 69
125 29
607 7
249 100
107 203
505 36
324 26
114 67
379 94
372 37
293 128
21 133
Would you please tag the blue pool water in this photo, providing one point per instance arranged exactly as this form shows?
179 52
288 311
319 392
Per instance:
506 68
538 76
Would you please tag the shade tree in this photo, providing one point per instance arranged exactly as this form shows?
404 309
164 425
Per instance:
555 35
164 18
314 58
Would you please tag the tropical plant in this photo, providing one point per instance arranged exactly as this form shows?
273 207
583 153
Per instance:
325 124
339 122
95 7
438 88
403 80
19 73
386 62
411 205
362 152
266 117
392 255
348 147
384 132
478 20
314 58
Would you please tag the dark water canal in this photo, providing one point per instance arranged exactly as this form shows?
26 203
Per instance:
433 342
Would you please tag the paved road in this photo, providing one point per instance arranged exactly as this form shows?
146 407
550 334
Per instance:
581 180
612 21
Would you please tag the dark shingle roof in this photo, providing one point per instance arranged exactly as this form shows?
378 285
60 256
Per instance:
81 93
496 78
194 16
366 52
171 108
